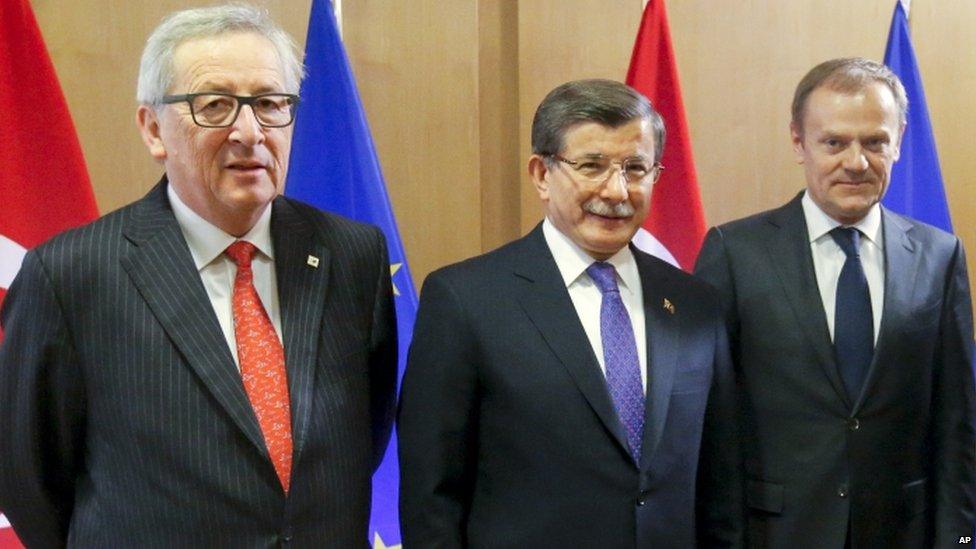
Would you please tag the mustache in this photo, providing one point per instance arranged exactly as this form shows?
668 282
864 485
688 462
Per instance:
601 208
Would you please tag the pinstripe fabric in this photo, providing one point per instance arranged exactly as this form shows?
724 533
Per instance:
123 419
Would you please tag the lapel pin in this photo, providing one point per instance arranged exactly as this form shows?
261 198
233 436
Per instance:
313 261
668 306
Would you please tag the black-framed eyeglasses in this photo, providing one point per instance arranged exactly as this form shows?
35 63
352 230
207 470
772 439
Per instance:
220 110
598 169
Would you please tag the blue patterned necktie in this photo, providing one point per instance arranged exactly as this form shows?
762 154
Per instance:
620 356
853 321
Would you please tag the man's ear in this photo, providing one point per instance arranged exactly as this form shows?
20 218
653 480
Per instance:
796 135
148 121
538 171
897 152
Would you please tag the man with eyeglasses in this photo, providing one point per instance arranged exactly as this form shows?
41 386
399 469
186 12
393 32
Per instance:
568 390
215 364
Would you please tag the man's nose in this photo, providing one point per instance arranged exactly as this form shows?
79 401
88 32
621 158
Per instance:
855 159
615 187
246 129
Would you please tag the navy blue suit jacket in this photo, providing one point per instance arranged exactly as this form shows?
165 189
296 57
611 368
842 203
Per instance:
508 436
894 466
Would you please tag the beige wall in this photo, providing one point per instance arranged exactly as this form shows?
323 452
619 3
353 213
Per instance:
450 87
95 46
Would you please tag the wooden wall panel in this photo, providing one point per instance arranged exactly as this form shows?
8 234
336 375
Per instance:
450 89
739 63
739 70
562 41
416 64
498 98
946 48
95 46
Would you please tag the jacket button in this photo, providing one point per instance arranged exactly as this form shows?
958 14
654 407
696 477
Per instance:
853 424
641 502
842 491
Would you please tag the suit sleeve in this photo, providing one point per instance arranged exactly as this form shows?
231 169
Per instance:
953 414
42 410
383 357
721 471
437 422
713 267
719 502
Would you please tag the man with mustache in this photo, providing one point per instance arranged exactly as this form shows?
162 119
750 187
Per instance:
213 365
568 390
851 330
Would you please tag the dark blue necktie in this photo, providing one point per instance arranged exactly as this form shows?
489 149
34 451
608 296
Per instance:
853 321
620 356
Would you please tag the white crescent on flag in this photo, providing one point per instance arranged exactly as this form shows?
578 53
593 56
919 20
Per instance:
4 523
11 256
646 242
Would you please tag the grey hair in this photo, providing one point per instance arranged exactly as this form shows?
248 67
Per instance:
156 68
847 75
605 102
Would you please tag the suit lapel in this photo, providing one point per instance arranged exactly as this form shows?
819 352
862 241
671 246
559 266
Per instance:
662 335
302 289
161 267
789 250
900 258
543 296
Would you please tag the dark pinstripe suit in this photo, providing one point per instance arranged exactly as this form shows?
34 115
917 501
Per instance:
123 419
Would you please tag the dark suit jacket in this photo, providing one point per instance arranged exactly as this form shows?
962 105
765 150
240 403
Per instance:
123 418
507 433
896 463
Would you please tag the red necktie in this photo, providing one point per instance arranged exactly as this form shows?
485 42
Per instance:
262 360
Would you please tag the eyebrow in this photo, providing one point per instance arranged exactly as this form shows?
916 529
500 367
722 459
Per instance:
598 156
221 87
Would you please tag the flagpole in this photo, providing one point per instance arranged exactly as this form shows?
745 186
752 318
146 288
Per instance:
337 10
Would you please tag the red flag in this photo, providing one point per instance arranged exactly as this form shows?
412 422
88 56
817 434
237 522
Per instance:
7 538
44 186
676 222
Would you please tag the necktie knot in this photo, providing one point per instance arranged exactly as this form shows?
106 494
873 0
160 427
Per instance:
604 275
241 253
849 240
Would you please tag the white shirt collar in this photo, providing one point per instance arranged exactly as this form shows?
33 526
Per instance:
819 223
207 241
572 261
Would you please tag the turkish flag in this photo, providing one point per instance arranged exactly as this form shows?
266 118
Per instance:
44 185
676 222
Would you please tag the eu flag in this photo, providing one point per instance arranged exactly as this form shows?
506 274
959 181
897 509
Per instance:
334 166
916 188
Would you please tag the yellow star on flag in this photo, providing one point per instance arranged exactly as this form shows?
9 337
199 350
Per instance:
394 267
378 541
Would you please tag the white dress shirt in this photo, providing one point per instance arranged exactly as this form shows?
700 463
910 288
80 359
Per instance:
572 262
207 244
829 258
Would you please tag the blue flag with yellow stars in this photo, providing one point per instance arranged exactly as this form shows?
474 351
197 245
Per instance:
334 167
916 188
